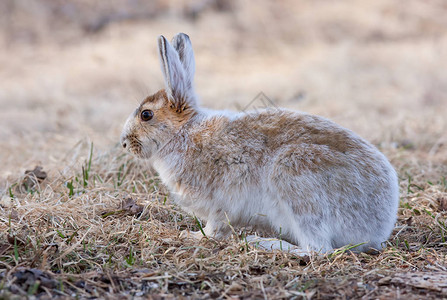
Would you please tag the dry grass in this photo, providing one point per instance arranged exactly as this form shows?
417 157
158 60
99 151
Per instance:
94 241
377 67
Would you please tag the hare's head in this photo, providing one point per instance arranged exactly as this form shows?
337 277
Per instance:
159 116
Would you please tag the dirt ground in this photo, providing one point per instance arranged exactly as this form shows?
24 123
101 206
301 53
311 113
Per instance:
72 71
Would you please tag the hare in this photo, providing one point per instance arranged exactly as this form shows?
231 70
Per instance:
316 183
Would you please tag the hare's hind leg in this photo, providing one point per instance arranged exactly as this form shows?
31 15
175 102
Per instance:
312 234
305 229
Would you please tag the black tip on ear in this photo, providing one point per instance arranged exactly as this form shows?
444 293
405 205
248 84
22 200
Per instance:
161 40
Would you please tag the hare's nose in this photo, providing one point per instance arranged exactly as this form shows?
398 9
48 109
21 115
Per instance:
124 141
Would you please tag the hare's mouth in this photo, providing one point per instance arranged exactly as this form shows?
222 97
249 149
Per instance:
135 146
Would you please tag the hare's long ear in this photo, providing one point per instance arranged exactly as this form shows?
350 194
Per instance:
182 44
179 85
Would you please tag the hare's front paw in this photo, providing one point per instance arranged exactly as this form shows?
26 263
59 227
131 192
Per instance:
218 230
215 230
197 235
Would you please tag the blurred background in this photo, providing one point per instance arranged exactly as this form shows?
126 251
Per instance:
73 71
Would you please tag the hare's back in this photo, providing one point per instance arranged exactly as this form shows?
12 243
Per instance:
315 135
307 146
280 141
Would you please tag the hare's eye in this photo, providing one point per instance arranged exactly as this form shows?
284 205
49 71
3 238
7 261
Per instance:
146 115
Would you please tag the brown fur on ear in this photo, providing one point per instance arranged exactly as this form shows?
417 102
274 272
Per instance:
180 106
181 114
